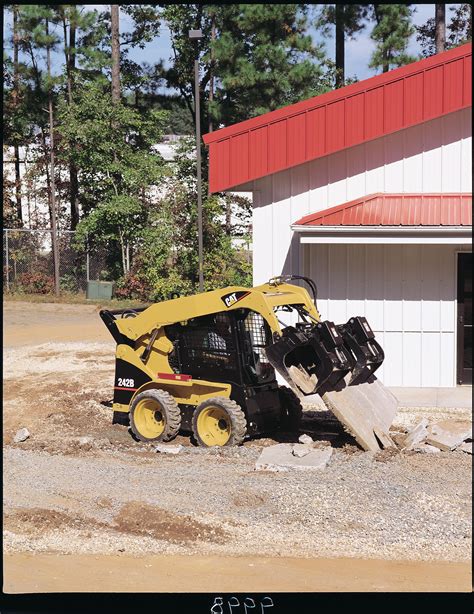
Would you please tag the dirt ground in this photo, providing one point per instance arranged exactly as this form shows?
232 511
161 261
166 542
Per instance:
82 490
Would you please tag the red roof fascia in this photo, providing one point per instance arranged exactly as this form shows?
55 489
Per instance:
342 118
396 210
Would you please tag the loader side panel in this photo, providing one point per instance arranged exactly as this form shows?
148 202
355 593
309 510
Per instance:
128 379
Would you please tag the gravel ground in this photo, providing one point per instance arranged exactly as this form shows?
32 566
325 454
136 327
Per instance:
404 507
111 494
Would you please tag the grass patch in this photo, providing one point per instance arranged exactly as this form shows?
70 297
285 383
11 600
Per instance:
71 299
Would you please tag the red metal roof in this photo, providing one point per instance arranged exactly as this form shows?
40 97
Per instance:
396 210
342 118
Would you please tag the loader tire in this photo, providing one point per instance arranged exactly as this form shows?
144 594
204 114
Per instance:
292 410
155 416
219 422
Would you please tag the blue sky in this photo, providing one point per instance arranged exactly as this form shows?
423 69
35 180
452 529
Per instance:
358 51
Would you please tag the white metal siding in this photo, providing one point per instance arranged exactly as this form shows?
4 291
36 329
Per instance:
408 293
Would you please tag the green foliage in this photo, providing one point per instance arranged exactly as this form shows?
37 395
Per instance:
391 33
259 57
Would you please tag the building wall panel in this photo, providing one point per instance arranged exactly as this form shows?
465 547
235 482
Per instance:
397 289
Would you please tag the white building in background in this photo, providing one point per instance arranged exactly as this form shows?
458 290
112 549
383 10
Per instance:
368 190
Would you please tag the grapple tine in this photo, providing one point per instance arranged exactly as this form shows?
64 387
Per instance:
359 339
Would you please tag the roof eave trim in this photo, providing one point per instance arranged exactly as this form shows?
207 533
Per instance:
320 229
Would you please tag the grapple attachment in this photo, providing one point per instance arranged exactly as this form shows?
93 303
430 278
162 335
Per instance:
315 357
360 340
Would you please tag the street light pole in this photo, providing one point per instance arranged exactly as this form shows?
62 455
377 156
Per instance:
196 35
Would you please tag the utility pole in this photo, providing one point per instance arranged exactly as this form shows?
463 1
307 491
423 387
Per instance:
196 35
54 223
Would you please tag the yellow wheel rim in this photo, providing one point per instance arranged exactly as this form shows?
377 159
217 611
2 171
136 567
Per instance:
149 418
213 426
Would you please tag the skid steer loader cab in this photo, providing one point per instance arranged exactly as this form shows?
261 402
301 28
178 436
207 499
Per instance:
206 363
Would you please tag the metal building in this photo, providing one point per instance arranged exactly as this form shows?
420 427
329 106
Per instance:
368 190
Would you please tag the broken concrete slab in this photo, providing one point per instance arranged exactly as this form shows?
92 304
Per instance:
280 458
21 435
465 447
363 408
425 448
417 434
448 434
166 449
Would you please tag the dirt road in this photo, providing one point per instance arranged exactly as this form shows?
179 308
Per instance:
83 489
211 574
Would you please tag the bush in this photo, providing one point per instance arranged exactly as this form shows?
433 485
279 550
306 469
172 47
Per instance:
132 286
68 283
35 283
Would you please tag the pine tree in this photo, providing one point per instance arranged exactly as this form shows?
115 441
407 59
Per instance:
391 33
440 27
459 30
258 57
348 20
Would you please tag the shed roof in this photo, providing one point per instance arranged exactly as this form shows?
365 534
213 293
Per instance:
396 210
342 118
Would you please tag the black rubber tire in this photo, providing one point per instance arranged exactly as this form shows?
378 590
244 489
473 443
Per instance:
170 412
236 416
291 410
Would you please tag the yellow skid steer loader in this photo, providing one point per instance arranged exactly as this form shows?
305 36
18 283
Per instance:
206 364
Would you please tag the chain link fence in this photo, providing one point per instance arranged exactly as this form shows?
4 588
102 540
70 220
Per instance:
28 262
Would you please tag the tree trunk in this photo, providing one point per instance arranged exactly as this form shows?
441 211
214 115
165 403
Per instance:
440 32
340 55
69 49
211 78
115 53
54 226
15 96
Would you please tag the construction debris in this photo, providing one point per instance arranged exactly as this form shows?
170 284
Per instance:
22 435
417 435
425 448
306 439
166 449
300 450
280 457
366 411
448 435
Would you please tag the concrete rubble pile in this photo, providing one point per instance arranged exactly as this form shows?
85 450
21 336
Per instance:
445 435
315 455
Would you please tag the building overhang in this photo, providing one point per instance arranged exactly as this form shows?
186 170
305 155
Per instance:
392 218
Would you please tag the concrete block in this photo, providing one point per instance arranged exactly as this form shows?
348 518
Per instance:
363 409
280 458
167 449
21 435
448 434
417 434
306 439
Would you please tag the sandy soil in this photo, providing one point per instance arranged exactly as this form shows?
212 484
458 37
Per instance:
84 503
211 574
